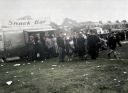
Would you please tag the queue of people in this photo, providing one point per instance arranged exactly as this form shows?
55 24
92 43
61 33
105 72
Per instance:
76 44
41 47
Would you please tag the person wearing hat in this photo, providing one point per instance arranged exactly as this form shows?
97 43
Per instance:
81 46
92 44
61 47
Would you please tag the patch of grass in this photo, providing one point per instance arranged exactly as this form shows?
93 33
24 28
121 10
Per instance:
92 76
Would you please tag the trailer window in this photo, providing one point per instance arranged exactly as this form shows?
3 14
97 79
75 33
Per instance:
0 37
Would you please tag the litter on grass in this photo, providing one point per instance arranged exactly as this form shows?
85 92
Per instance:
112 59
42 61
98 66
54 65
9 82
125 72
52 68
29 63
7 72
16 65
32 73
119 81
85 75
114 79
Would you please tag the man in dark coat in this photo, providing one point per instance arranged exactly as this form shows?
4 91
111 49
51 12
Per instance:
127 34
75 45
61 47
112 44
31 51
111 41
92 44
118 38
37 46
122 34
81 46
43 48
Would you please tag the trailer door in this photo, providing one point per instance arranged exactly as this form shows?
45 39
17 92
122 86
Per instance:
1 41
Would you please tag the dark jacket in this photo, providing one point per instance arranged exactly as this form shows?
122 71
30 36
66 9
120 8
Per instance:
112 42
60 42
92 45
92 41
81 42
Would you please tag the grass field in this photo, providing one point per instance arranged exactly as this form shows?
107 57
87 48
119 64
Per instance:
92 76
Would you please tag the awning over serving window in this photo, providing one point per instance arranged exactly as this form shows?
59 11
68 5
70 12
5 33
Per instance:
39 30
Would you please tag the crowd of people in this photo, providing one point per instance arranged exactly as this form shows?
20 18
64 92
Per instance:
76 44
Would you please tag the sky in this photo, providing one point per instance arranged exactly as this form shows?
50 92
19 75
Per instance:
57 10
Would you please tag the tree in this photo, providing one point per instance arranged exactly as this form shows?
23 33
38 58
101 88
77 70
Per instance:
109 22
100 22
117 24
124 21
117 21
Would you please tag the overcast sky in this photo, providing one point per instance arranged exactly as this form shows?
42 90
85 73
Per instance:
57 10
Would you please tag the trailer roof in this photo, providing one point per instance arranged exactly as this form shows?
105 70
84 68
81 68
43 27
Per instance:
39 30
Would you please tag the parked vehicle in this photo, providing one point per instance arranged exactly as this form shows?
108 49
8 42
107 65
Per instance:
13 43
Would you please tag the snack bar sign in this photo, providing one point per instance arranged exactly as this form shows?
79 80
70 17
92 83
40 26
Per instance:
26 22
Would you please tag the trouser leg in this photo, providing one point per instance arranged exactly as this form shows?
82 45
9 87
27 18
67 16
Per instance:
61 55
